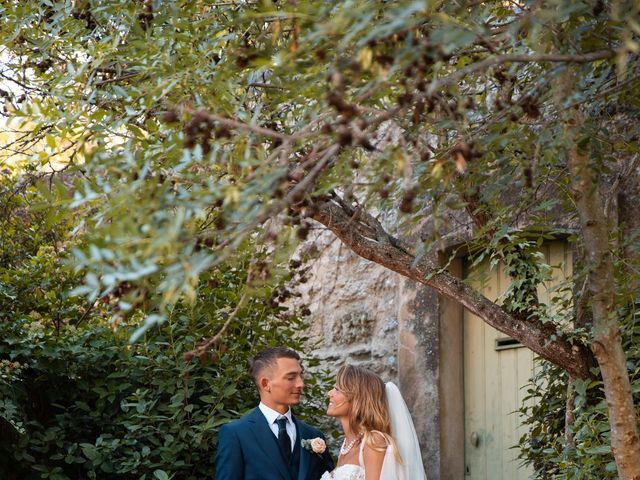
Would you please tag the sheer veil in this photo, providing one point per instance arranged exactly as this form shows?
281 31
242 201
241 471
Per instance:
404 434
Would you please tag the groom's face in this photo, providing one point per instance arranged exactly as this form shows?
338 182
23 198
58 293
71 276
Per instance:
283 384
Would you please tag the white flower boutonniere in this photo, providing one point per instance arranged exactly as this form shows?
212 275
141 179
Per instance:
315 445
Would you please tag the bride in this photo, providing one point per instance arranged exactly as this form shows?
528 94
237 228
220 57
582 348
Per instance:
380 442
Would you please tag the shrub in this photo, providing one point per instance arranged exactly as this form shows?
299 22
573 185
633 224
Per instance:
81 402
545 446
78 401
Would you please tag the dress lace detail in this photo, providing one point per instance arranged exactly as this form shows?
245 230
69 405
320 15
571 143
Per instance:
348 471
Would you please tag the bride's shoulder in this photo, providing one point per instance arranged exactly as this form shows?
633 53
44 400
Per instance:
379 439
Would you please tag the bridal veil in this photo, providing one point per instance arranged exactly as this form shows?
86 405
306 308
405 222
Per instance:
404 434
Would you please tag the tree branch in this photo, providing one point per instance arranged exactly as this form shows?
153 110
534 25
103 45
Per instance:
228 122
203 347
395 256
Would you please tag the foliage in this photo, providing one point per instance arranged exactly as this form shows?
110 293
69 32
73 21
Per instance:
198 120
545 446
192 129
78 401
86 406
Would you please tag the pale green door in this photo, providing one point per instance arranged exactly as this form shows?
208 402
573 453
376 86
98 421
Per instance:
496 368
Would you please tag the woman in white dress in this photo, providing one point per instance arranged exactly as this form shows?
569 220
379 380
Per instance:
380 442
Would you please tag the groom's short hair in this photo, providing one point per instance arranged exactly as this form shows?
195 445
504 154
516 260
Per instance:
268 357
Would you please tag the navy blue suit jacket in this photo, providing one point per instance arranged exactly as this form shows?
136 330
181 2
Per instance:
248 450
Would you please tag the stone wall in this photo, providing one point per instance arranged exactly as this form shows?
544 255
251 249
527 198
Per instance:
364 314
419 372
354 308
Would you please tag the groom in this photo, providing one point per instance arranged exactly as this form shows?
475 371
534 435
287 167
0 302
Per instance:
265 443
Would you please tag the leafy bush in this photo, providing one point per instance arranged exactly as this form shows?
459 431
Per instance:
78 401
545 446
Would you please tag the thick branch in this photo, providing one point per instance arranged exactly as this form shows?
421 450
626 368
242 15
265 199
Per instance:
392 254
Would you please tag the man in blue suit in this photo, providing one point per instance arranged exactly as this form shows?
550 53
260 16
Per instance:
265 443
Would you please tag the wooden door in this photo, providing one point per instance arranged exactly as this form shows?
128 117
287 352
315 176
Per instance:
496 372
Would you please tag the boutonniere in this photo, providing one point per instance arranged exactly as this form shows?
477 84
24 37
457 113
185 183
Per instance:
315 445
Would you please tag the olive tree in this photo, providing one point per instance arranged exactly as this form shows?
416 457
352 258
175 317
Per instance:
193 126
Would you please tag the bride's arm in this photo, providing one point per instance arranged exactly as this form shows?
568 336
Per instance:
373 457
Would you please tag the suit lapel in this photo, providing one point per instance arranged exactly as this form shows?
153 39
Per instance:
266 440
302 434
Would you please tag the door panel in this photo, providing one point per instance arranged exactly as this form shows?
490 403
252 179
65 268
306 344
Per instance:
494 377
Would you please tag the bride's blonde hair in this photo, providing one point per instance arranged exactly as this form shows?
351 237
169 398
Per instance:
369 410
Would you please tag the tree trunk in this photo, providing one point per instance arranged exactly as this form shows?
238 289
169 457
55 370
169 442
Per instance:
606 343
366 237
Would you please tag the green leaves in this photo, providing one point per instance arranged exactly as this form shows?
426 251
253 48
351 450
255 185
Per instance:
259 91
160 475
118 409
191 132
78 400
546 448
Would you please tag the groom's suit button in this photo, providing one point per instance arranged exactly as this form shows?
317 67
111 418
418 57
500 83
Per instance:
283 437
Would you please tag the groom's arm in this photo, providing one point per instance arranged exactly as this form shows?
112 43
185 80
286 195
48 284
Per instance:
328 461
229 461
326 456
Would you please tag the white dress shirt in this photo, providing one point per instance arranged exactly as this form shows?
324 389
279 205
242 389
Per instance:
271 415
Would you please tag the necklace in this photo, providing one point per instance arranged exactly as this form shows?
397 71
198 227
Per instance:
346 449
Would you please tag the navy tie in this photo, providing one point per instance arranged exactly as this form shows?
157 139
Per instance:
283 437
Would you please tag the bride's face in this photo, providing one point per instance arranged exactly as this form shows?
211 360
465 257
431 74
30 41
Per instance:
338 406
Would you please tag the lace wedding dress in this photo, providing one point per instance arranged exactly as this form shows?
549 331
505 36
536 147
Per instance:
350 471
